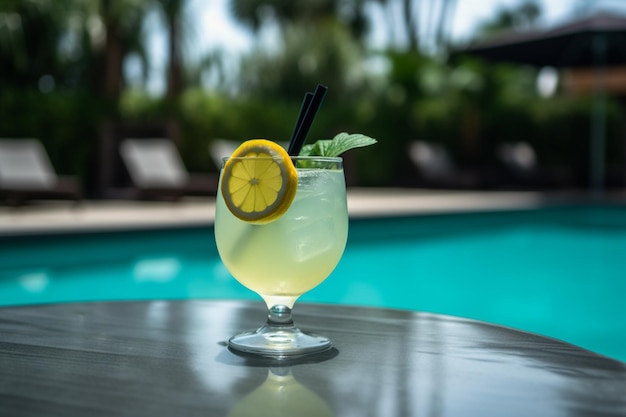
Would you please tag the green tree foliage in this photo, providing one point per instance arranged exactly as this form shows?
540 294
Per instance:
256 13
31 35
319 41
308 56
525 15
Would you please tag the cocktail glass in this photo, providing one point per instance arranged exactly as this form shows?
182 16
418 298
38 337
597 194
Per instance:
283 259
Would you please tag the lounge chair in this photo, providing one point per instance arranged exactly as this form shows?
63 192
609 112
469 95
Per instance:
520 168
157 170
519 157
435 168
221 148
26 173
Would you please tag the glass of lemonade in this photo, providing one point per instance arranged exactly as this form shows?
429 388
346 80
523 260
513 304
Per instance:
283 259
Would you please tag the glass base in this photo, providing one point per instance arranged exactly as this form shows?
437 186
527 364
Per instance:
279 342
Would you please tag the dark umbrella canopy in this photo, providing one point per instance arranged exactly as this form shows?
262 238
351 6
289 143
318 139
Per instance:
595 41
590 41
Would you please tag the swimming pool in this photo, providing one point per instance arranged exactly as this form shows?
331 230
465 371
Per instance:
559 272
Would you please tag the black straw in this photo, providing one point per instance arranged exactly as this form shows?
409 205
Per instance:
305 118
306 102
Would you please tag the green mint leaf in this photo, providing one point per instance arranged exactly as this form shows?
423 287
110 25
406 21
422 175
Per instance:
344 142
339 144
319 148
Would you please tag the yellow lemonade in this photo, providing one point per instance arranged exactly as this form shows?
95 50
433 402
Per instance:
283 259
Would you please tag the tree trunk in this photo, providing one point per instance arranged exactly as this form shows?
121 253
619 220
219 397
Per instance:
113 79
447 13
410 23
175 82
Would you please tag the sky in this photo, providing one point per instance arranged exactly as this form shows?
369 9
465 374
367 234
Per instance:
212 26
218 29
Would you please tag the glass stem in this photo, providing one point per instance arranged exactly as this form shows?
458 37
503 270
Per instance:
279 315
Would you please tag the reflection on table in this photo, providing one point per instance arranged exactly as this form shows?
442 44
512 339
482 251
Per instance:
281 395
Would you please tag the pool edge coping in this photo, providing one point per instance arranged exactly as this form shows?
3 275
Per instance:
363 203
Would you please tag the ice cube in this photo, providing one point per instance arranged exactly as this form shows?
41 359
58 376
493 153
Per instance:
313 237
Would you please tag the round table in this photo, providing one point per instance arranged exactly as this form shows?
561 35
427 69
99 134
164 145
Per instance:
168 358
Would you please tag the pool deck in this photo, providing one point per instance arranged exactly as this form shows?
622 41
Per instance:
61 216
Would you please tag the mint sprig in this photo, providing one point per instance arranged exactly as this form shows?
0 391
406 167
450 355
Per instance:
336 146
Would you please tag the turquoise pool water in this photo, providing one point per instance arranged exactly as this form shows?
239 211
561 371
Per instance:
560 272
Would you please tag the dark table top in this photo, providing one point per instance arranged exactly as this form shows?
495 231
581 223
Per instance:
168 358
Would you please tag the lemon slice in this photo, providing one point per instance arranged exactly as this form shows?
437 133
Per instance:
259 181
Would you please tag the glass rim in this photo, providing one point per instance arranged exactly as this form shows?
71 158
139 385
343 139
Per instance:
329 159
